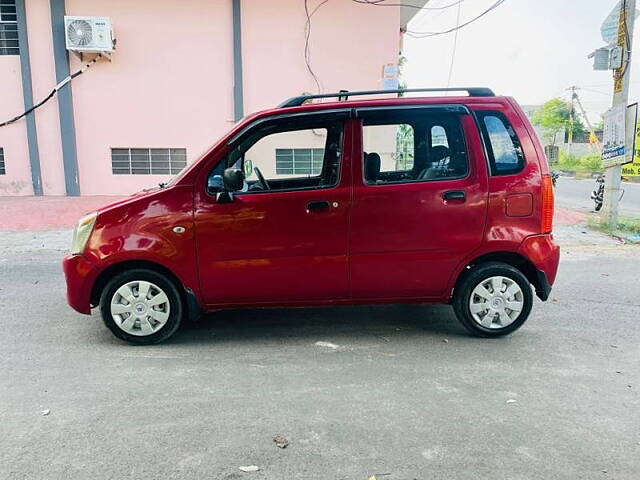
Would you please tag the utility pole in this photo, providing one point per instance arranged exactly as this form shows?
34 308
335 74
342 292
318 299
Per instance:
621 76
571 121
586 119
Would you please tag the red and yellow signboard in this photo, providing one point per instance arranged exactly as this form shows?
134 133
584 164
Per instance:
633 169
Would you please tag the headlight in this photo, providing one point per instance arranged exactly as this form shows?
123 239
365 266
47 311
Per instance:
82 232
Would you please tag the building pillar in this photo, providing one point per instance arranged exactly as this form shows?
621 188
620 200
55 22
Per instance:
27 94
65 100
238 94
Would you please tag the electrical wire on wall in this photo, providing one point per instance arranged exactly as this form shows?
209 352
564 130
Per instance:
455 45
53 92
307 30
411 33
416 34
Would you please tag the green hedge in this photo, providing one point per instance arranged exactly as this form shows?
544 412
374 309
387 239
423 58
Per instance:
587 163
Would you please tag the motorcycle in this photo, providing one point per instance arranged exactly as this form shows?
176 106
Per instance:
598 194
554 177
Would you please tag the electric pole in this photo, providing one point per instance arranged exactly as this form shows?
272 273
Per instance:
621 76
571 120
592 131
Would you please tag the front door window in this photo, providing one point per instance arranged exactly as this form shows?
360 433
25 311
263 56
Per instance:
285 158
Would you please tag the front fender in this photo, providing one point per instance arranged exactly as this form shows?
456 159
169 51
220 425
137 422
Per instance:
142 229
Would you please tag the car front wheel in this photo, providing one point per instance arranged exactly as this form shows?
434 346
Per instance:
493 299
141 306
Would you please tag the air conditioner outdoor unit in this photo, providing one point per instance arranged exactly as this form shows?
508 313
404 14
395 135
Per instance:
88 34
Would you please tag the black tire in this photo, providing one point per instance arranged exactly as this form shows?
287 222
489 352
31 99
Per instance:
598 206
475 276
168 287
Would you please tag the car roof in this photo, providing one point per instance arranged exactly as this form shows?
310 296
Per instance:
384 102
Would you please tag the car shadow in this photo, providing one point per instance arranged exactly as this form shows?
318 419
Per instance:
321 323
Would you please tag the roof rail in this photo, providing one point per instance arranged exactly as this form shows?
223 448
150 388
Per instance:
345 94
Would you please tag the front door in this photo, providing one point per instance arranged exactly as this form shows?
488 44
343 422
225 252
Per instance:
420 192
284 236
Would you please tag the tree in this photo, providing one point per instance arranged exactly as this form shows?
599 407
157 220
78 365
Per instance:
600 125
404 147
555 117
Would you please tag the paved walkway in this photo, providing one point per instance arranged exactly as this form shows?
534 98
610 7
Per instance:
568 217
61 213
47 213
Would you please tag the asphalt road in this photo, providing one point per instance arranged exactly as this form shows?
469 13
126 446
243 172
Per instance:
403 391
576 195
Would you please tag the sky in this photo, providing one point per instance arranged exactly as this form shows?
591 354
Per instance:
532 50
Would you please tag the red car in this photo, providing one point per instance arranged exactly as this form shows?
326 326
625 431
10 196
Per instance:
443 199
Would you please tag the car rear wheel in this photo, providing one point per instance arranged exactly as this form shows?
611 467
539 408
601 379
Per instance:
493 299
141 306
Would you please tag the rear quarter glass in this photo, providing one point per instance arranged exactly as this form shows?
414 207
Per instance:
507 228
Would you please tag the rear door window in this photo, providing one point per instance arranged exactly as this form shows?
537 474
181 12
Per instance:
503 145
404 147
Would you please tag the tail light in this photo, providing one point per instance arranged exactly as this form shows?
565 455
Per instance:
546 223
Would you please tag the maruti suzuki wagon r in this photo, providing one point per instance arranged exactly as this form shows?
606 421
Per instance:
444 199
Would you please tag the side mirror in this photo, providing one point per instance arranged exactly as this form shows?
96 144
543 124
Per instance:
233 179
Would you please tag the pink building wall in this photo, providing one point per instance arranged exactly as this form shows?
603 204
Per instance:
349 44
170 83
13 138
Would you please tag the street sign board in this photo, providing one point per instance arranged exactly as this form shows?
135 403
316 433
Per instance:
619 136
631 121
633 169
609 28
614 136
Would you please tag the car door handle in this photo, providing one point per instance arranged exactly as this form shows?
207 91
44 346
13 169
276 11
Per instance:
318 206
454 195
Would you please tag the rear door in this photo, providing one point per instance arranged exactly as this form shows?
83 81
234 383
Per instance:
423 209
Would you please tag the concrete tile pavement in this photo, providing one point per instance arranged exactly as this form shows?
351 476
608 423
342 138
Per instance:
47 213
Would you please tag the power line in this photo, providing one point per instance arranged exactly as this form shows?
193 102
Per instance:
422 17
381 3
604 85
458 27
595 91
307 28
455 45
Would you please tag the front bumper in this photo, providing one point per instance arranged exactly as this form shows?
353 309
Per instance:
80 275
